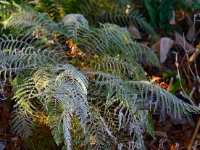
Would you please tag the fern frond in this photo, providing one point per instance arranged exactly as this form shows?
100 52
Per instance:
19 53
51 7
27 20
119 67
25 58
56 9
120 41
163 98
129 102
22 123
120 101
74 19
23 115
113 41
96 137
110 39
23 6
67 86
31 23
115 14
90 10
66 129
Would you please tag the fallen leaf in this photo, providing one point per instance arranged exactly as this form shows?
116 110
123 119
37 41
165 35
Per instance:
161 134
162 48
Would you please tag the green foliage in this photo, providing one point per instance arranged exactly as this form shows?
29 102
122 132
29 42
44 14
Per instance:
56 9
160 13
168 75
116 13
176 85
108 103
6 9
162 9
149 126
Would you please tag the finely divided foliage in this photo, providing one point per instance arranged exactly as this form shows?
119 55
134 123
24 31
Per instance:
110 99
115 12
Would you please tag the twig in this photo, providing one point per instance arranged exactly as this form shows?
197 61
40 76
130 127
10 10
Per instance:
194 55
183 93
192 92
194 135
185 96
188 78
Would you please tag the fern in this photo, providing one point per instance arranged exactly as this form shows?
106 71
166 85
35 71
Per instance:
119 102
23 115
126 101
118 67
19 53
97 137
56 9
164 99
91 41
110 101
64 85
95 11
115 14
6 9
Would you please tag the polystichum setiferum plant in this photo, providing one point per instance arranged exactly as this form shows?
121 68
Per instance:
104 89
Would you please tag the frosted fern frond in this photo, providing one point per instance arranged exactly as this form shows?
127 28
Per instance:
66 129
113 84
120 41
113 41
124 100
25 58
23 115
19 53
67 86
22 123
27 22
106 79
109 39
22 53
163 98
51 71
119 67
96 137
118 97
74 19
46 31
